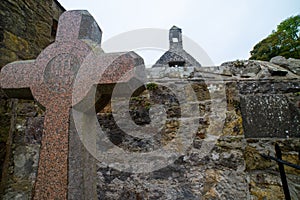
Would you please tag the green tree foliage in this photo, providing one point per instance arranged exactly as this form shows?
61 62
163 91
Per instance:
285 41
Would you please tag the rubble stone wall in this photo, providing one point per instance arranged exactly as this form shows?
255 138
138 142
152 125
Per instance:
232 169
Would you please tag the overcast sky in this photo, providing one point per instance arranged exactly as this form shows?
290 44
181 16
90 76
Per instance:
226 30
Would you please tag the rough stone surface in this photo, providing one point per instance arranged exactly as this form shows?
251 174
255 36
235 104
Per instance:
219 175
26 28
23 163
5 116
244 69
291 64
250 69
280 60
234 168
263 174
269 116
294 65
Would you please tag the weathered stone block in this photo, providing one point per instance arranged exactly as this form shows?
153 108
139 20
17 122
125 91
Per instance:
201 91
258 189
233 124
15 43
7 56
270 87
43 28
269 116
254 161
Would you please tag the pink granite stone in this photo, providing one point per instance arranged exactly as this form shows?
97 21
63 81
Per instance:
50 78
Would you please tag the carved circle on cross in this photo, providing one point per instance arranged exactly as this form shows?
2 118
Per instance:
56 69
60 72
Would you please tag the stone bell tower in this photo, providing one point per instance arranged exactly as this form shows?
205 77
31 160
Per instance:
175 38
176 56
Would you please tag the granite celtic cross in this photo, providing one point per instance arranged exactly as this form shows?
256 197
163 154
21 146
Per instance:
49 80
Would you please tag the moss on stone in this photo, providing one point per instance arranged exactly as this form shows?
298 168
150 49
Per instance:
254 161
152 86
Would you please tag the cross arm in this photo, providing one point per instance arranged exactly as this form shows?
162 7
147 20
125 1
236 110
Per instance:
101 72
16 79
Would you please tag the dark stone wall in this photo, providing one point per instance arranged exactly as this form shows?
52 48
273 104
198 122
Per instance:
22 156
233 169
5 118
26 28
